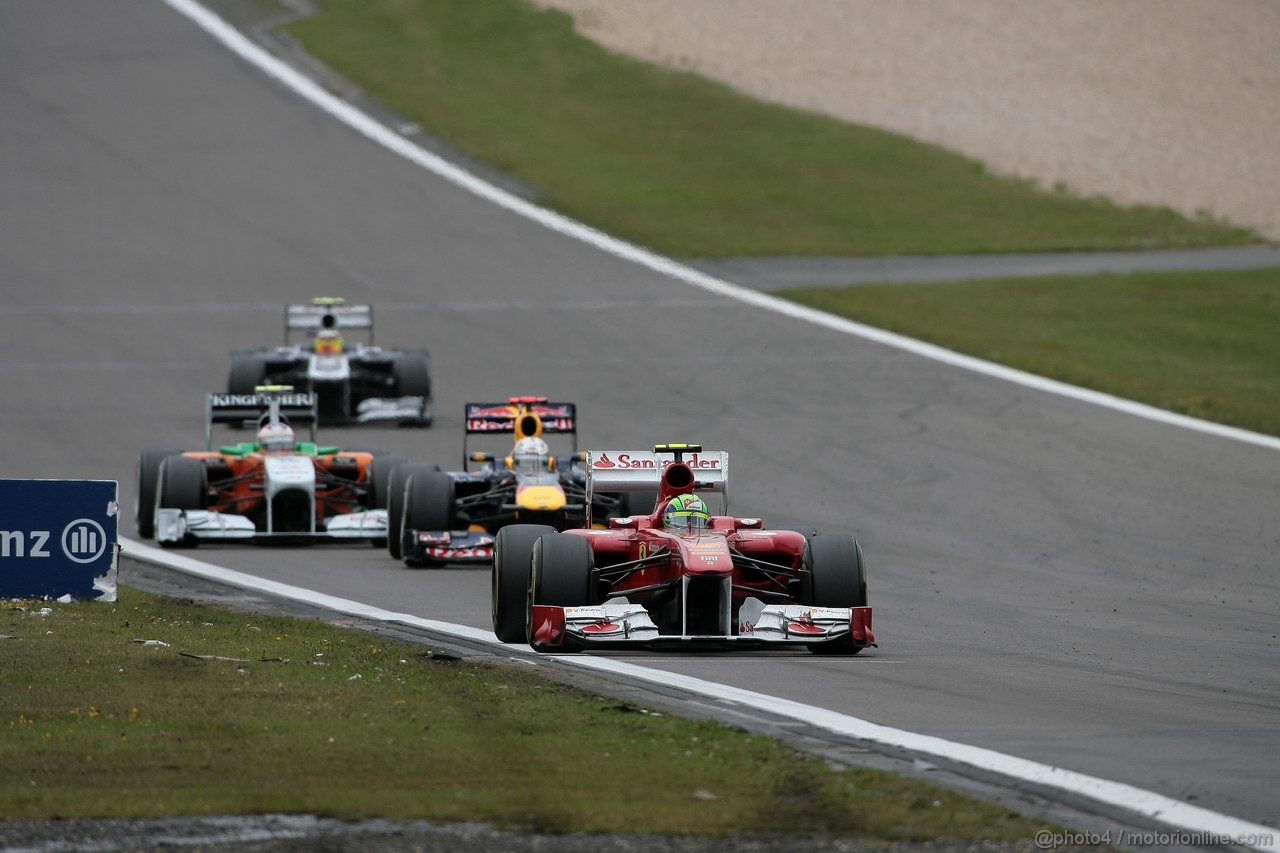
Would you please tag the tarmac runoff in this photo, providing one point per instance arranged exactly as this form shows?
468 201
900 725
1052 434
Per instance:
781 273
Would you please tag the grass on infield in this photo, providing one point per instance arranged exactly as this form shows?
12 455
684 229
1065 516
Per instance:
304 717
689 167
1205 344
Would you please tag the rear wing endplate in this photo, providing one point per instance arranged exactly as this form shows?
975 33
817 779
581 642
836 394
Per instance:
246 411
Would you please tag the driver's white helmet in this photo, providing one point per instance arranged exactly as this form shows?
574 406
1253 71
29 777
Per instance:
276 438
531 456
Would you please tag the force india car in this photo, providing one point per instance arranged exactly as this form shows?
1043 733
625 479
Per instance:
354 384
637 584
239 493
437 517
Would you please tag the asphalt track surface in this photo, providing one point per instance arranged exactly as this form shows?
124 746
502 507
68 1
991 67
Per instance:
1052 580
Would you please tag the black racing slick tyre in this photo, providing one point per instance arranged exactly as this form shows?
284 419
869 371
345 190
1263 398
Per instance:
413 376
247 373
400 476
512 569
183 484
144 501
561 570
837 577
379 478
428 502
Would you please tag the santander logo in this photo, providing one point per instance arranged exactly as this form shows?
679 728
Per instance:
628 461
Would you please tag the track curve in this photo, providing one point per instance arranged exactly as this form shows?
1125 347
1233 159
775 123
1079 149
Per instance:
1054 581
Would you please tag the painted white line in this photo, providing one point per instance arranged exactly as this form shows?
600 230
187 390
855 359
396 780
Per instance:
388 138
1141 802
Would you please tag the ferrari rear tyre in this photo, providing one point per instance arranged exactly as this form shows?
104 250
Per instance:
144 500
562 570
512 570
396 483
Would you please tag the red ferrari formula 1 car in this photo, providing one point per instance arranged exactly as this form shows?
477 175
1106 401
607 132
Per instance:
679 576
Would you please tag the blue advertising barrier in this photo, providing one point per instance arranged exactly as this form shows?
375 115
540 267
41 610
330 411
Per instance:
58 538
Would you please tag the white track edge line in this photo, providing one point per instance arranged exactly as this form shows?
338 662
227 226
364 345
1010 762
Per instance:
1141 802
362 123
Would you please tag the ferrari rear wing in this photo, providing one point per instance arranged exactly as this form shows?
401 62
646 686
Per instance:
246 411
641 470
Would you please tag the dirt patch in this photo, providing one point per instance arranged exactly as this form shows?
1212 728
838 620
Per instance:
1169 102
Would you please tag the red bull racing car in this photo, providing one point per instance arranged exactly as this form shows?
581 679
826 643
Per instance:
677 575
437 517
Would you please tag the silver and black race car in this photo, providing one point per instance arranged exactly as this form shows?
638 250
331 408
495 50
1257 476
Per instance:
354 383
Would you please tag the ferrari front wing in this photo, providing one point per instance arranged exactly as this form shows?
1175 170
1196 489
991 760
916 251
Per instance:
617 624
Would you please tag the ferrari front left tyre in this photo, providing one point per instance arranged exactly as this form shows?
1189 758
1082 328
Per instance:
837 577
512 567
562 570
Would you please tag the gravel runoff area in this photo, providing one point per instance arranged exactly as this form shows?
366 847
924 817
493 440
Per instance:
1166 102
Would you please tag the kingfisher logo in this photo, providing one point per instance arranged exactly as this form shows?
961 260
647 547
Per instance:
84 540
250 401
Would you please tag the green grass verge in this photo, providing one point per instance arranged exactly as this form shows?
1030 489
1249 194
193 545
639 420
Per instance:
319 719
1205 344
689 167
